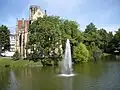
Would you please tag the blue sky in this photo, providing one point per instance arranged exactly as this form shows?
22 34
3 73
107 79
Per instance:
103 13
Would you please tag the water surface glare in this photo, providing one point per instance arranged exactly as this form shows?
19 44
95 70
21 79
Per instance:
66 75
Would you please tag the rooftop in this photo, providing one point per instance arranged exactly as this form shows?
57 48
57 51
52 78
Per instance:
34 6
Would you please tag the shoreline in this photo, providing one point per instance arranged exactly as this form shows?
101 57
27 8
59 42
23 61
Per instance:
8 62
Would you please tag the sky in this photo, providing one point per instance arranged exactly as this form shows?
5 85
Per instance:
103 13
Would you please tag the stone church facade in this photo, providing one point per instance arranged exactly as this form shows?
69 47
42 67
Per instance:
21 36
22 26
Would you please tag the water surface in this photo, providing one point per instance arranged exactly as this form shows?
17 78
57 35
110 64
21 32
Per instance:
101 75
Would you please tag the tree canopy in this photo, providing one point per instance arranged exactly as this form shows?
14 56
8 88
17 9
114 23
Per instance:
4 38
50 32
47 37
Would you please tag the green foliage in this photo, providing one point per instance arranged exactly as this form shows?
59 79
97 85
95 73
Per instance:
101 38
48 33
19 63
4 38
5 61
105 38
16 56
70 30
90 28
33 56
91 34
95 52
81 54
116 39
45 34
117 35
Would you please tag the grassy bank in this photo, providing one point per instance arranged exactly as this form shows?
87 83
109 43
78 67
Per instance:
7 62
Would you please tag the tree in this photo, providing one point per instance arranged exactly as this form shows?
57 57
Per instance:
91 34
110 36
100 37
34 56
103 38
90 28
47 34
117 36
44 34
94 51
70 30
116 39
4 38
81 54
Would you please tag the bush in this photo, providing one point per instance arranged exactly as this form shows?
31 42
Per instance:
80 53
34 56
16 55
95 52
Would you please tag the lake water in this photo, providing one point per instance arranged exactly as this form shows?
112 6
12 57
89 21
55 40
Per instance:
100 75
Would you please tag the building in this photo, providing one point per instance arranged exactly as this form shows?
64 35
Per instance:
12 47
21 35
12 42
35 12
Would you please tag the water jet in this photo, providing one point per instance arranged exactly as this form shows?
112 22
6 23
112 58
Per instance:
66 64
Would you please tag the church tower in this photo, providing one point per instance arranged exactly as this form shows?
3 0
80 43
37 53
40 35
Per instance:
34 13
21 36
22 26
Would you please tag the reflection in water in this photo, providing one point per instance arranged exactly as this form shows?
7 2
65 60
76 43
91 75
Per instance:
117 57
13 83
68 83
4 78
102 75
93 70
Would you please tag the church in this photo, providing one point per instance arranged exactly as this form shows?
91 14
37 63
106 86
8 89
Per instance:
22 26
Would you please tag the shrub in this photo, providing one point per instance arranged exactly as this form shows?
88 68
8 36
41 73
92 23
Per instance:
16 55
80 53
33 56
95 52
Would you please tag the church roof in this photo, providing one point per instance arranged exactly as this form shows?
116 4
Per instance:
34 6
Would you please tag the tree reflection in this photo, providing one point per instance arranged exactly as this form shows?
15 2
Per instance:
93 70
4 79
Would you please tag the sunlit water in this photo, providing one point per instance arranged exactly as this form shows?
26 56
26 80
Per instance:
102 75
66 75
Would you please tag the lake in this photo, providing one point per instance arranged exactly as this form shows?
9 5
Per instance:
100 75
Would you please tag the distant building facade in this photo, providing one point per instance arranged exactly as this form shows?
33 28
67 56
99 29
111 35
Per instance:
12 42
22 26
9 53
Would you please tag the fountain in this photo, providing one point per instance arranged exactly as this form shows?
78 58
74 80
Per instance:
66 64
